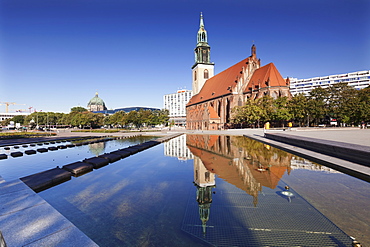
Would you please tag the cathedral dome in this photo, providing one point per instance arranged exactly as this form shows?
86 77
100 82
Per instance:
96 104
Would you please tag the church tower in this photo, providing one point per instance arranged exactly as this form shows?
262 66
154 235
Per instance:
203 69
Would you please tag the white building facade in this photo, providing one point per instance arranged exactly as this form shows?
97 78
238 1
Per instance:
175 103
358 80
176 147
8 115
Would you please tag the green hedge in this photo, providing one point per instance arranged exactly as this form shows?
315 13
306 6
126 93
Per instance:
17 135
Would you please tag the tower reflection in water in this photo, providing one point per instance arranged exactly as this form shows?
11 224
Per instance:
244 163
204 181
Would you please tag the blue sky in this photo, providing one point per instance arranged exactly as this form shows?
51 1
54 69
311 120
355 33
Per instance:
56 54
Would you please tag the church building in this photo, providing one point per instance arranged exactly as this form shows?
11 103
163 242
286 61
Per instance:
96 104
215 96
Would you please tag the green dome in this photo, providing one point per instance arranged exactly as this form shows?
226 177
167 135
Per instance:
96 101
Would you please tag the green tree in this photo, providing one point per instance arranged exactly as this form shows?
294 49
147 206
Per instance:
6 122
158 117
117 118
78 109
298 108
363 113
249 113
266 105
280 110
316 104
132 119
18 119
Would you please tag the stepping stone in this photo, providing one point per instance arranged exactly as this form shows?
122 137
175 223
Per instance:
31 151
111 157
52 148
131 150
16 154
121 153
61 147
42 150
3 156
46 179
97 162
78 168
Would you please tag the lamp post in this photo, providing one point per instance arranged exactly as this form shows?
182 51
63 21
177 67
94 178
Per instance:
308 120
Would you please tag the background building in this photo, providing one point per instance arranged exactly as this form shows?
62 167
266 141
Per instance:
127 109
96 104
9 115
358 80
175 103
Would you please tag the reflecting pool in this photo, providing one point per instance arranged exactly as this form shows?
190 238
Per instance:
202 190
17 167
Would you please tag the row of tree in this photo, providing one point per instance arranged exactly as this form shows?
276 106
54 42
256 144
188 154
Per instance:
80 117
341 102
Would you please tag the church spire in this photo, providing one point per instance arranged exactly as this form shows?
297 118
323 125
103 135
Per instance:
203 68
202 50
201 20
202 33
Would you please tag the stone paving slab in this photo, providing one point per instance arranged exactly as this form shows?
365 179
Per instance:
28 220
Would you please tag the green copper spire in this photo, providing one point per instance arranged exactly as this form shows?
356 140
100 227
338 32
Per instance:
202 50
202 33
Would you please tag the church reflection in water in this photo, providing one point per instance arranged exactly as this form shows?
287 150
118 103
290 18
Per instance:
247 164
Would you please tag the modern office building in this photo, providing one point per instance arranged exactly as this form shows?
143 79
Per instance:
175 103
8 115
358 80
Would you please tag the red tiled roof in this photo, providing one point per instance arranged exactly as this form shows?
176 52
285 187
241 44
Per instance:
219 84
224 82
267 75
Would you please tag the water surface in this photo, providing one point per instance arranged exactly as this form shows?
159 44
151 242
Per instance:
219 190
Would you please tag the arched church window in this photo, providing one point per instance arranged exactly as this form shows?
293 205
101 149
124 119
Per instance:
206 74
195 75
